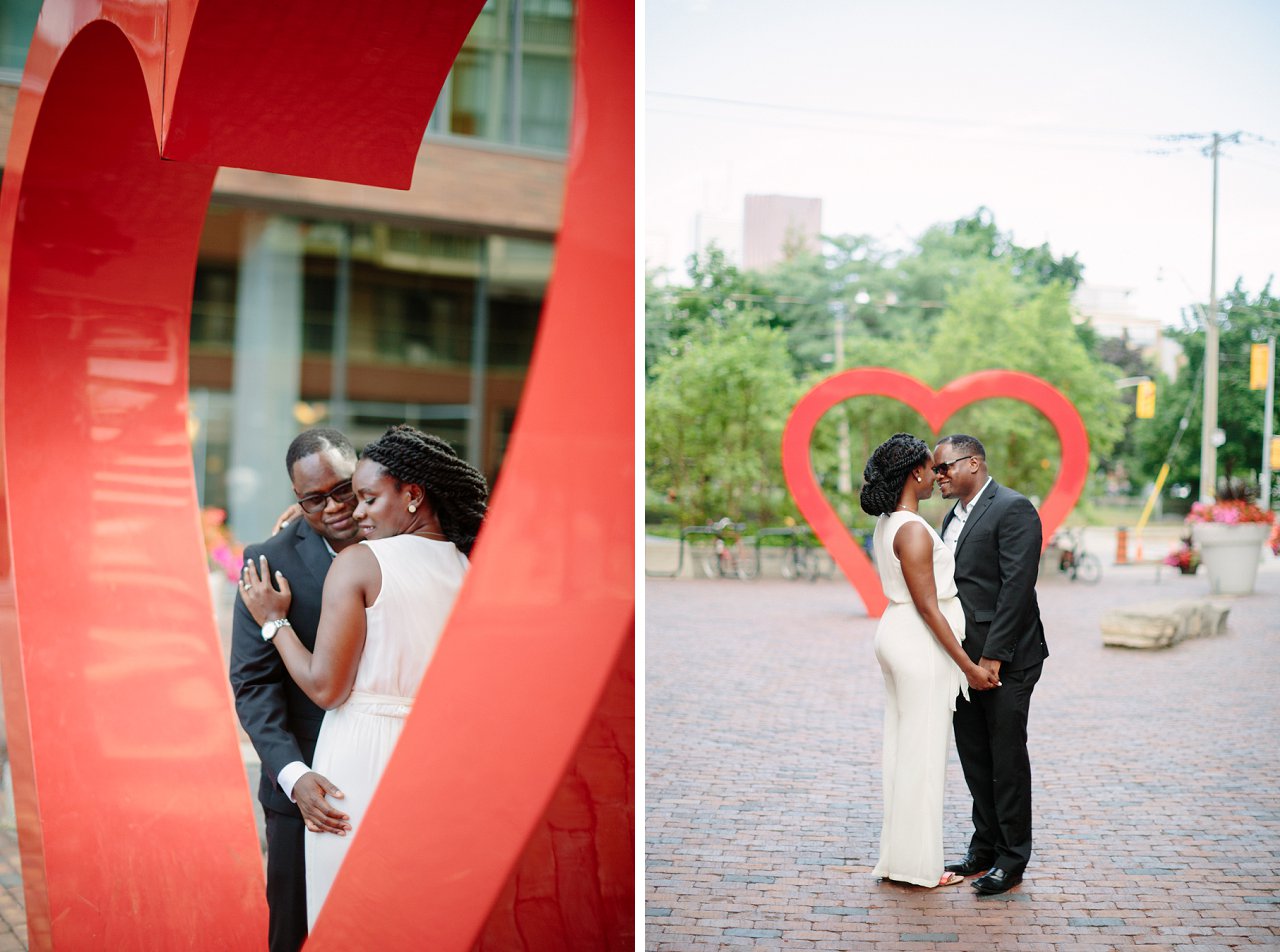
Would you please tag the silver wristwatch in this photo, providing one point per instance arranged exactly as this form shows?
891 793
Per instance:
270 628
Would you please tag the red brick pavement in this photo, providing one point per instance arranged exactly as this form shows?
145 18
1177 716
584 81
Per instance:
1157 779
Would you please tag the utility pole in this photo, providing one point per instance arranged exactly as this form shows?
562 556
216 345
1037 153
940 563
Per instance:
844 468
1209 425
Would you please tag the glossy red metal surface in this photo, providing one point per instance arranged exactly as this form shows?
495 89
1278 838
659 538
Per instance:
547 610
134 814
110 657
936 406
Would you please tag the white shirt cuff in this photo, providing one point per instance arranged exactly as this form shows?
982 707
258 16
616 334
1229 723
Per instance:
290 775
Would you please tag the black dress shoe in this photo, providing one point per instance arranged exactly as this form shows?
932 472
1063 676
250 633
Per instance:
996 881
972 863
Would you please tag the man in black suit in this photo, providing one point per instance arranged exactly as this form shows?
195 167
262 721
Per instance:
281 721
996 535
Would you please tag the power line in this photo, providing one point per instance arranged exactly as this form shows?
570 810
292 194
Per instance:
975 130
1262 139
890 117
973 134
1180 142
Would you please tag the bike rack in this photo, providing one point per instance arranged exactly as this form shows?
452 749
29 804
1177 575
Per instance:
684 534
793 532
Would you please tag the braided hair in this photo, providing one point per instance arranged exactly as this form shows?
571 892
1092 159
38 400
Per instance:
887 470
457 492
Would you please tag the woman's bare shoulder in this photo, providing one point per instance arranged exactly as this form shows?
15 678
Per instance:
355 561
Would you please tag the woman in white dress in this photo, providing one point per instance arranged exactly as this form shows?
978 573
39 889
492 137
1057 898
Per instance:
419 507
918 647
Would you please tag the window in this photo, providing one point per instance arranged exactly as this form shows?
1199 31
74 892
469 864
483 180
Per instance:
513 79
368 422
213 305
17 26
519 270
423 321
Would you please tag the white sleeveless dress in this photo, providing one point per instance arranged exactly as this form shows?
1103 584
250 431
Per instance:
420 580
921 682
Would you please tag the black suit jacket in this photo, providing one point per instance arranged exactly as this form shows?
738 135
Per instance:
997 562
281 721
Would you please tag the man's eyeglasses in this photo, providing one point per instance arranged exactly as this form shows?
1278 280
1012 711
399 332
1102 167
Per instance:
341 494
943 468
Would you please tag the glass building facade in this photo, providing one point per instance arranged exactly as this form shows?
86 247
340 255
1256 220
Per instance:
356 325
336 305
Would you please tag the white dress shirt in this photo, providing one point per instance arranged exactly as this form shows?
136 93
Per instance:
956 525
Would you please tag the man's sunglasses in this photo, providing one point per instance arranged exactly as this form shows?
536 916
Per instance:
341 494
943 468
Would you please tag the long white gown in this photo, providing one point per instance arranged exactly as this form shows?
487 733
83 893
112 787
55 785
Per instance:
921 682
420 580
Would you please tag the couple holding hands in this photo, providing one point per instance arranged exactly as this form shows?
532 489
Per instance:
962 620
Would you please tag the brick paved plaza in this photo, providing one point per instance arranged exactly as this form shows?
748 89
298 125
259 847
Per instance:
1157 778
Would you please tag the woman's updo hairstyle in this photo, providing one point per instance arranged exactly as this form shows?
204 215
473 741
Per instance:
456 491
887 470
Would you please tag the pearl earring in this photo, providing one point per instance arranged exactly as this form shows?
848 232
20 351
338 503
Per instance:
917 479
413 507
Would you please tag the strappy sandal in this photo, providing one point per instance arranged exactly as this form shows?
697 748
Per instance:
949 879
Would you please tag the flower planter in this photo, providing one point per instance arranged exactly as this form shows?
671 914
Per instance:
1230 553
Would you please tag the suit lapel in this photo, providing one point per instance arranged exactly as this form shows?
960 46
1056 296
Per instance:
313 553
979 510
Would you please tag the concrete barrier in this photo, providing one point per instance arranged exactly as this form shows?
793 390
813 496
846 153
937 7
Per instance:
1160 625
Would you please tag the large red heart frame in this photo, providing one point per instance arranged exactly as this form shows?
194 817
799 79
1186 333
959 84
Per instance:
936 406
506 813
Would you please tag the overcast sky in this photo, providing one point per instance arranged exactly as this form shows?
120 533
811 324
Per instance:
902 114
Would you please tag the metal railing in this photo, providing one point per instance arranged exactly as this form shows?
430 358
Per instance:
729 554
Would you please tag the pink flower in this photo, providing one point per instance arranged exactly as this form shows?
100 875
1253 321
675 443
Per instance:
1230 512
221 549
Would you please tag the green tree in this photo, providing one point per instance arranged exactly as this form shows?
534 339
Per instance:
1129 361
728 353
997 321
714 414
1243 321
850 281
717 291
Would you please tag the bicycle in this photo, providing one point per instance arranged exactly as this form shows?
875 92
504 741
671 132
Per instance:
729 558
1077 564
803 559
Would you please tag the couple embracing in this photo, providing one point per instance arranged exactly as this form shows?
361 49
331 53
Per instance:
338 616
962 620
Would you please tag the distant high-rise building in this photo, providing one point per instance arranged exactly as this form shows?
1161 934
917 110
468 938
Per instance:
1110 311
775 225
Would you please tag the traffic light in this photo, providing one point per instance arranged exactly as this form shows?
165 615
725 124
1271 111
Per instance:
1258 355
1146 401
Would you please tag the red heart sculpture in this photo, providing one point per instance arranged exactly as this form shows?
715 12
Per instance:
506 815
936 406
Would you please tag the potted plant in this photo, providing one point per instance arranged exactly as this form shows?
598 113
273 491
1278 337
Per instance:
1230 532
1185 558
